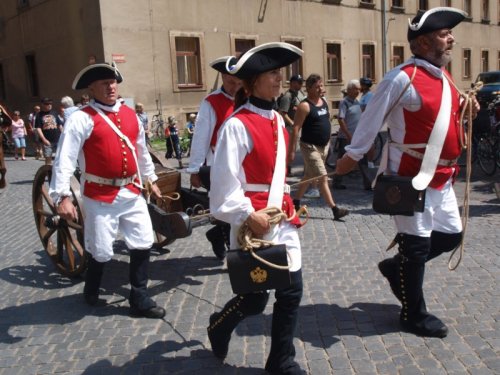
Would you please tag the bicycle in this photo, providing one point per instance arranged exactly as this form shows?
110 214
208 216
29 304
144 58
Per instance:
157 127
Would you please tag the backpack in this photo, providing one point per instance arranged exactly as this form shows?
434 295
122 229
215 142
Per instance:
294 95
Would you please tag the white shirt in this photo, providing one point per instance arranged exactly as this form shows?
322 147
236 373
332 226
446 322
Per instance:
227 178
200 144
77 130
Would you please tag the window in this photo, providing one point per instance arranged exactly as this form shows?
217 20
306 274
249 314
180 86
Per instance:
333 63
242 45
397 6
2 84
423 5
367 4
466 63
296 67
485 60
446 3
368 61
187 52
468 8
485 11
32 76
398 55
448 67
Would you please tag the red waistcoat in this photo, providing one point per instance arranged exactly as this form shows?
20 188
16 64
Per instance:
106 155
223 107
419 125
260 162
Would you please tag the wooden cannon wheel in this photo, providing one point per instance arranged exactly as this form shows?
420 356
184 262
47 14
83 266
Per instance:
61 239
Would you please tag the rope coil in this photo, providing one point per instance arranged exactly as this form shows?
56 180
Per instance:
465 142
249 243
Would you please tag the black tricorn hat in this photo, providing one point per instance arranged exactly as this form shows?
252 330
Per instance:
434 19
264 58
220 63
96 72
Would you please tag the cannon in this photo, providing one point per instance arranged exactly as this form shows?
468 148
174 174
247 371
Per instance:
173 217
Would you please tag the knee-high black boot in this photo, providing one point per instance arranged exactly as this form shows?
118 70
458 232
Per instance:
93 278
222 324
443 243
218 236
414 317
285 314
141 304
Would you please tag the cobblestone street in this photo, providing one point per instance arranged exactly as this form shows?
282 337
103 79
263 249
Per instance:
348 322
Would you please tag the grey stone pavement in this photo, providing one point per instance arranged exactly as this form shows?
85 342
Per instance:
348 316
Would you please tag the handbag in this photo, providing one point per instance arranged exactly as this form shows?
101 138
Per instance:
248 273
395 195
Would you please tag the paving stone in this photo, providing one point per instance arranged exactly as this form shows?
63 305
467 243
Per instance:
348 318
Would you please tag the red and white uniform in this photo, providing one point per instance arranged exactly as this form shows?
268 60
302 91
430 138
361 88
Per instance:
214 110
246 154
411 122
89 141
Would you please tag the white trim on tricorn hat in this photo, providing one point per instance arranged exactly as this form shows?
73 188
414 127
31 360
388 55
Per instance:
95 72
434 19
220 63
264 58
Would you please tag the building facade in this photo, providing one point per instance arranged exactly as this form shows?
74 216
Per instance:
163 47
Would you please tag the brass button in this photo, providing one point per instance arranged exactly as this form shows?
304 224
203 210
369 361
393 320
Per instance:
125 159
124 153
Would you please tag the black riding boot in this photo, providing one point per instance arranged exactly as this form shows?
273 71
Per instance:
443 243
285 314
218 236
389 268
141 304
414 317
93 278
222 324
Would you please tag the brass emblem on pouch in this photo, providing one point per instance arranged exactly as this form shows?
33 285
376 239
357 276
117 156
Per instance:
393 195
258 275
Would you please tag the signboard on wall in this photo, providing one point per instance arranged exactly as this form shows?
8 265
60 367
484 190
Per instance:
118 57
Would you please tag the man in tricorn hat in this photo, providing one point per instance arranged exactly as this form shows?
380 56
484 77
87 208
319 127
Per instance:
107 140
214 110
414 99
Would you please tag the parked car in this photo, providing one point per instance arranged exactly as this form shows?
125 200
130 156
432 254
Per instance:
490 89
488 93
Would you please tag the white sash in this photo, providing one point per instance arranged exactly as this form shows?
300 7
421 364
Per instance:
276 191
436 140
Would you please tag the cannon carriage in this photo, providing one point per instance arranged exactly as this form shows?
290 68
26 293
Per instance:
173 217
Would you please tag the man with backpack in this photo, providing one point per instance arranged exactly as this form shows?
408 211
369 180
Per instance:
288 103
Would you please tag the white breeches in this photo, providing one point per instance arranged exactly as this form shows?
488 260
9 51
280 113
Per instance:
440 214
128 214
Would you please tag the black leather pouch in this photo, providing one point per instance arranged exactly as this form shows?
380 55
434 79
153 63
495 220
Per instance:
248 274
395 195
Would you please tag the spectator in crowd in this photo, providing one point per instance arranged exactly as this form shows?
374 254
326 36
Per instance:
143 118
348 116
19 134
49 128
190 131
313 121
172 140
32 129
68 106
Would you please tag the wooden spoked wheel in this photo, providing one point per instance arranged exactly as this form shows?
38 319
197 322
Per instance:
62 240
